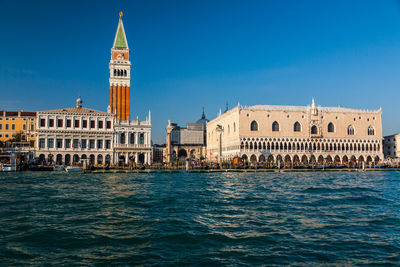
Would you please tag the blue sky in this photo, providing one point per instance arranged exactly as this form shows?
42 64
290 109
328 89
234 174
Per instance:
189 54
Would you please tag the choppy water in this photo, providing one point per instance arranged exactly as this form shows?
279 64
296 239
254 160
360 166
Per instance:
200 219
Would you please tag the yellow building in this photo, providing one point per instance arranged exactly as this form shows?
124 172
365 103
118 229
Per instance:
13 122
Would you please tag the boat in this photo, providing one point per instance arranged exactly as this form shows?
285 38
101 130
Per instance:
8 168
58 168
73 169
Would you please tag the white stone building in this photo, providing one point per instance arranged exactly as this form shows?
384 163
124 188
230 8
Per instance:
68 135
391 146
296 135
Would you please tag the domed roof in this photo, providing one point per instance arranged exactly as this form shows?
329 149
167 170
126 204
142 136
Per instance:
203 120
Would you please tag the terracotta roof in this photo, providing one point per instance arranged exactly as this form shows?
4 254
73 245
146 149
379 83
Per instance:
76 110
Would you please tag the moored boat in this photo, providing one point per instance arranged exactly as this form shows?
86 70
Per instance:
73 169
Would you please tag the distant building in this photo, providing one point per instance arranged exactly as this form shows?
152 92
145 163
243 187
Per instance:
68 135
391 146
13 122
186 142
296 135
158 153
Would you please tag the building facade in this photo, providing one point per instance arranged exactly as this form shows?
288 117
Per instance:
68 135
296 135
186 142
13 122
132 138
391 146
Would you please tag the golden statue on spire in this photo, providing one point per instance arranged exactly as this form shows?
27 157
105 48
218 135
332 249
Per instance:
120 14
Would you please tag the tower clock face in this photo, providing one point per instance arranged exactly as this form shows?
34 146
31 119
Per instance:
120 56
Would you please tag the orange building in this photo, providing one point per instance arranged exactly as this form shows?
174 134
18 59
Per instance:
120 75
13 122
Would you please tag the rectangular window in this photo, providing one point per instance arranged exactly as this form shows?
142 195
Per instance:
91 143
68 123
60 122
84 123
59 143
75 143
7 127
12 126
108 144
42 123
76 124
100 124
67 143
50 143
83 144
1 126
1 135
24 127
6 135
32 143
41 142
32 126
108 124
51 122
99 144
92 124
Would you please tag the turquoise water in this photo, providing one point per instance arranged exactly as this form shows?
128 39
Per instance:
200 219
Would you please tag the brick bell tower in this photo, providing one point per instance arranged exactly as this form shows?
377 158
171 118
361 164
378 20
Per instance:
120 75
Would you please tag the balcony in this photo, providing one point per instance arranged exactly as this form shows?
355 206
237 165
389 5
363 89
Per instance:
132 146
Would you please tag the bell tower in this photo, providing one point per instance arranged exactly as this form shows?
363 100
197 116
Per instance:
120 75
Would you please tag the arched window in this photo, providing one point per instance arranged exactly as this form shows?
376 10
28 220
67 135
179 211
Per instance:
122 138
331 127
125 73
350 130
115 72
275 126
371 130
254 126
297 127
234 127
314 129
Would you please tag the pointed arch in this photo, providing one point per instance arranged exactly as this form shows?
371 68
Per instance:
371 130
254 126
331 128
314 129
275 126
296 127
350 130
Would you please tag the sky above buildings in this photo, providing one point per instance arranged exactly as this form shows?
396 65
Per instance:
189 54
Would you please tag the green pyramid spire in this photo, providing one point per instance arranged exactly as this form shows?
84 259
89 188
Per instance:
120 38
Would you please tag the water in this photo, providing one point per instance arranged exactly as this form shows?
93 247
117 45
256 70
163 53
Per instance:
325 218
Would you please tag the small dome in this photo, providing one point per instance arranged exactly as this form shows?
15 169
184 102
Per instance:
79 102
203 120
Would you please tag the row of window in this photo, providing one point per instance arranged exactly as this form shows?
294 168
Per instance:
68 123
120 73
131 138
74 143
314 129
7 127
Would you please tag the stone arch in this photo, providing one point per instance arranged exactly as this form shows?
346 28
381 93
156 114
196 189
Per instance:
304 160
369 159
254 126
141 158
91 159
377 159
84 156
314 129
182 154
331 128
99 159
59 159
275 126
245 158
108 159
296 161
279 160
42 158
350 130
261 158
296 127
253 158
50 158
337 160
288 161
329 159
270 160
75 159
345 159
353 161
371 130
241 145
321 160
312 161
67 159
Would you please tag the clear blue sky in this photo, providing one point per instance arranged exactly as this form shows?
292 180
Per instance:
187 54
